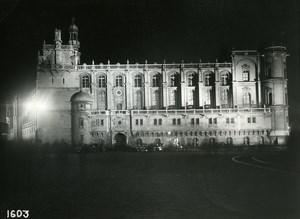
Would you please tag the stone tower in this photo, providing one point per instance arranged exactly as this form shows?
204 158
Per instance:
81 122
275 92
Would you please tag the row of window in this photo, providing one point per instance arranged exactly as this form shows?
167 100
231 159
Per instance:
156 80
194 121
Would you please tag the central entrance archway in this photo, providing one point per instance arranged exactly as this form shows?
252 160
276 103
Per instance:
120 140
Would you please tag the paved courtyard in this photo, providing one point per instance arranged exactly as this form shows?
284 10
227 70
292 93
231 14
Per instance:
145 185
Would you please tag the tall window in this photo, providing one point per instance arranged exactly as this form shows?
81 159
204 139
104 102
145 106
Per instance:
207 97
190 97
119 81
247 98
229 141
138 81
246 72
155 99
225 96
190 80
81 122
102 81
246 141
86 81
119 106
207 79
245 75
173 97
102 100
138 100
172 80
224 79
156 80
270 98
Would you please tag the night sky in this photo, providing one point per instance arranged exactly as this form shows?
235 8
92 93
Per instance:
146 29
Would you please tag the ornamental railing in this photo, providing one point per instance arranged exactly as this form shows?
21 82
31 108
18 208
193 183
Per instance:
180 111
140 66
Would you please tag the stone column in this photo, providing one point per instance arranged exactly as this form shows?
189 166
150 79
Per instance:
165 89
200 90
147 89
217 94
109 87
128 100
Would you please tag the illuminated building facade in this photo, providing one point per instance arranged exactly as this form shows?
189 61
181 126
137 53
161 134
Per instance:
241 102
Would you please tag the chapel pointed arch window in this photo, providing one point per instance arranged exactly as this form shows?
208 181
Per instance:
86 81
208 79
119 81
138 81
156 80
174 80
102 81
225 79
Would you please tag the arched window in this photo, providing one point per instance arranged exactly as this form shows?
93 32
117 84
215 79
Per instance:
229 141
156 80
86 81
207 79
139 142
138 81
246 141
212 141
157 142
247 99
190 80
224 79
119 106
246 72
195 142
102 81
119 81
174 80
261 140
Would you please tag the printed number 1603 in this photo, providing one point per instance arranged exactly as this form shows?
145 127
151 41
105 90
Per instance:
17 213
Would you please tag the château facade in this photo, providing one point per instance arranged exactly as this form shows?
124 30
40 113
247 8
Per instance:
241 102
